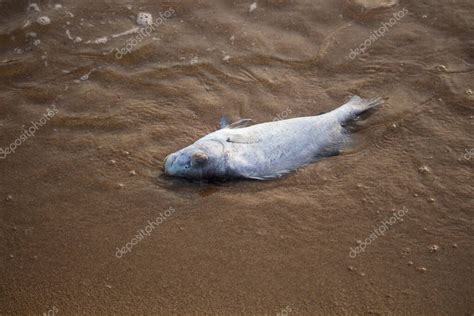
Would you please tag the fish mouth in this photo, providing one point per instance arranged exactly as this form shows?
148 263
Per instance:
168 163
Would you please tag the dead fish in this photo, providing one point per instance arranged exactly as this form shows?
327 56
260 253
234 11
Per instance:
268 150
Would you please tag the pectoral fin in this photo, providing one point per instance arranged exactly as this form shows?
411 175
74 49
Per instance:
243 139
275 175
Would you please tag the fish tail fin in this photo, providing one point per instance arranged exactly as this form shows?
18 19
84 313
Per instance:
355 107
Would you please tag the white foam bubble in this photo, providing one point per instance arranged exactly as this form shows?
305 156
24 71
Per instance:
144 19
253 6
34 6
43 20
101 40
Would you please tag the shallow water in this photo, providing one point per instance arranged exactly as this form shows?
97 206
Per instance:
69 199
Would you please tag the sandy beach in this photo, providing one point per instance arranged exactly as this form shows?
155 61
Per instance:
92 100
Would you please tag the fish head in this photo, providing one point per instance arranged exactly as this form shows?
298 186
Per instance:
205 160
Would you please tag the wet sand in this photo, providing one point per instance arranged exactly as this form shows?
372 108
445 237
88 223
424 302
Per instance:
90 179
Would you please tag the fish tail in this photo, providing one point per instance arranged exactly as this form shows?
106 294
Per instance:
355 107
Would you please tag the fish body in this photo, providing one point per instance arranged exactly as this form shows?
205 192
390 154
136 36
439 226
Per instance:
267 150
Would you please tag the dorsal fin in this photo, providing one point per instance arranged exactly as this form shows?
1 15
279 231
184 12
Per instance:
224 122
240 123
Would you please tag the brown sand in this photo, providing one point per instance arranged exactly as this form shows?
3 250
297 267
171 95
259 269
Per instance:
238 247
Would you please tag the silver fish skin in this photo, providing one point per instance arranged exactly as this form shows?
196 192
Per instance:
267 150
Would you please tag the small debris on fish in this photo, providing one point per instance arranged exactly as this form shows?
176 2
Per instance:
144 19
226 58
194 60
132 173
112 162
37 42
421 269
43 20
